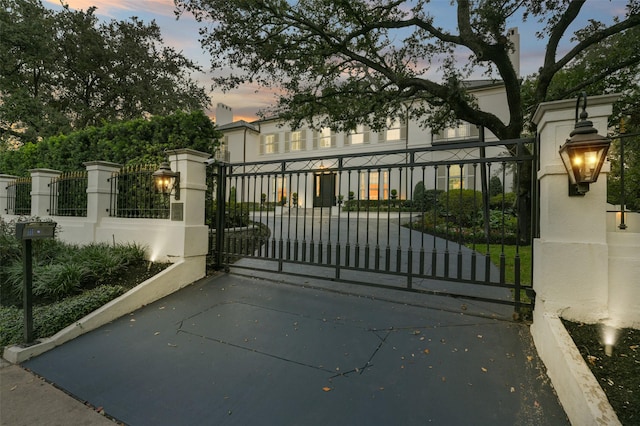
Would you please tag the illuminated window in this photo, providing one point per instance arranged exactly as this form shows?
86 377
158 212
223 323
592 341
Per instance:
459 176
295 141
269 144
374 186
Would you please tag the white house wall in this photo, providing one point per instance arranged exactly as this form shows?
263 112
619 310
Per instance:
244 146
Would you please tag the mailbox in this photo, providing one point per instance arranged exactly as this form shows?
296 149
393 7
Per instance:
35 230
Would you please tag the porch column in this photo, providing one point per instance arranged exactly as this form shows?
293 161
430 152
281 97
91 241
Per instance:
40 194
570 271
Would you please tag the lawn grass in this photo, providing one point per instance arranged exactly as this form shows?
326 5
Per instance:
510 252
524 252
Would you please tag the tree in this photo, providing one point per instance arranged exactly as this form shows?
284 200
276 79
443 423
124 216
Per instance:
344 63
590 71
63 71
359 61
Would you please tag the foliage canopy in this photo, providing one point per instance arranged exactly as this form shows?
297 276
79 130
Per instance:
63 71
361 61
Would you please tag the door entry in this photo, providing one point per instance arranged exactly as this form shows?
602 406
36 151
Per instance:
324 189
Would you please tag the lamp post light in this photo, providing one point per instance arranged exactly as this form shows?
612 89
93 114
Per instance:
583 154
166 180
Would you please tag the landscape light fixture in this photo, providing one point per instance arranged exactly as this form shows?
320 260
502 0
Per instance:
167 181
583 154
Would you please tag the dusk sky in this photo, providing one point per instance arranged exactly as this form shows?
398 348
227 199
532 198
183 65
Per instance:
182 35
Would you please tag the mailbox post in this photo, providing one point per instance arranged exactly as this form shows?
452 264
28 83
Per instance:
28 231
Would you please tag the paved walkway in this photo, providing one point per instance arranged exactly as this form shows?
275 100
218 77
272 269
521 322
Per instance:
234 350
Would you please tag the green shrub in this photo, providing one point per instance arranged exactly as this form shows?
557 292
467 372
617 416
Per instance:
49 319
495 186
495 202
10 247
461 207
12 283
424 199
59 280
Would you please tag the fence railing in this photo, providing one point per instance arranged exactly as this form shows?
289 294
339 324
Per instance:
623 186
19 196
414 216
68 194
132 194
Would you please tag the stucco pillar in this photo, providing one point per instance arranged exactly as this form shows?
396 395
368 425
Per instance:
4 203
40 194
570 272
189 234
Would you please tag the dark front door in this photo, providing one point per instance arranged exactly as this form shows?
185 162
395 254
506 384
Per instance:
324 191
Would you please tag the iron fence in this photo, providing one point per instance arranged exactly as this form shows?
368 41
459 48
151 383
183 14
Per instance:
408 219
19 196
68 194
133 194
623 185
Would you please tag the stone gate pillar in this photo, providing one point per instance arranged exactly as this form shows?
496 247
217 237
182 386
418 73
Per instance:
570 273
189 234
570 261
40 194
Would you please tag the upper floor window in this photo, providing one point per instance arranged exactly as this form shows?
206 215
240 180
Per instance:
324 138
396 130
295 141
462 131
269 144
456 177
222 151
359 136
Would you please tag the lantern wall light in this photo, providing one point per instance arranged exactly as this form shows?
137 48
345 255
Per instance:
167 181
584 153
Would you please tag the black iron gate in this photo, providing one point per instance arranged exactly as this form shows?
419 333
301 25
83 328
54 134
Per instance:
452 219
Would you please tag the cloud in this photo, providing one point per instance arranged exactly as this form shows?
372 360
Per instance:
114 8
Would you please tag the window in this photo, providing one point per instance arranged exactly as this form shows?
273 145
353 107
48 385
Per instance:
462 131
269 144
324 139
295 141
359 136
459 177
374 186
281 191
396 130
222 152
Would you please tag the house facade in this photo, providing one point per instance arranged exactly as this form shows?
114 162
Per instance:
271 140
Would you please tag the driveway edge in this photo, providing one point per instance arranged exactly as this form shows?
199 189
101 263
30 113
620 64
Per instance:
579 392
175 277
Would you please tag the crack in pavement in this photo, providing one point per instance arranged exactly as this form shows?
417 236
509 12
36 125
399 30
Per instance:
382 336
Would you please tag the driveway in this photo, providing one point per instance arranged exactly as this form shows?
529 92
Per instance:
238 350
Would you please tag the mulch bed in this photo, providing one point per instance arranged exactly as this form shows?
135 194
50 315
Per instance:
618 374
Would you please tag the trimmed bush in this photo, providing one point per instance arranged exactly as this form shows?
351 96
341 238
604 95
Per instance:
495 186
461 207
495 202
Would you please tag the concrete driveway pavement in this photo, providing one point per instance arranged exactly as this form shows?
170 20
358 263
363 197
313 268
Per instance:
239 350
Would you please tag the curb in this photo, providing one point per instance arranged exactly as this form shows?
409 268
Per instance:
175 277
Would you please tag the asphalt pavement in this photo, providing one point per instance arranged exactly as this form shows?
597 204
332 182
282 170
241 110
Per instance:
238 350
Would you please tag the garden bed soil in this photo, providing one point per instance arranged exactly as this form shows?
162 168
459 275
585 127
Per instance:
138 273
617 374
